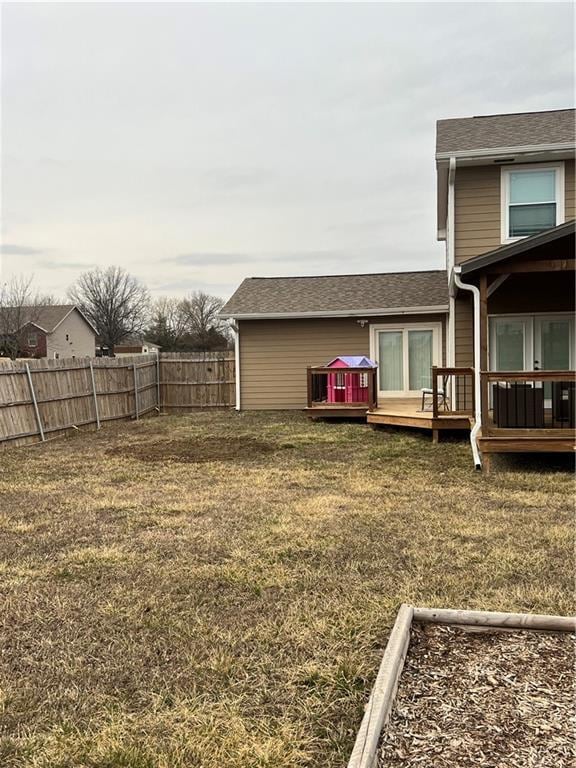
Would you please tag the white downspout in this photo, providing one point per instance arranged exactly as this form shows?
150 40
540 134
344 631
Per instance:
450 259
477 389
236 331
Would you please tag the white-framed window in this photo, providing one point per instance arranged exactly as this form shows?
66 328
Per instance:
532 198
405 355
32 339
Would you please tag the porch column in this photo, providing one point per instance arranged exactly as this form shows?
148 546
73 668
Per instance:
484 345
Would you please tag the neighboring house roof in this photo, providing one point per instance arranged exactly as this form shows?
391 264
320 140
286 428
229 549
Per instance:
525 129
521 246
331 296
136 341
47 317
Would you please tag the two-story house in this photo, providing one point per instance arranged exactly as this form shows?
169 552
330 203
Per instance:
506 209
443 340
52 330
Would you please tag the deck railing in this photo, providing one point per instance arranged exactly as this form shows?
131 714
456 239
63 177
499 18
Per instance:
342 387
528 400
452 392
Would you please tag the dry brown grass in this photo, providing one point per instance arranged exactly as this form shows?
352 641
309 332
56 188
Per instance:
183 610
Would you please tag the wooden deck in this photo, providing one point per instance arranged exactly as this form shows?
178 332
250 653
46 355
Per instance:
406 412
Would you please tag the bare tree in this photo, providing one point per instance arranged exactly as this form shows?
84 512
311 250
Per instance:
20 305
168 323
202 313
115 302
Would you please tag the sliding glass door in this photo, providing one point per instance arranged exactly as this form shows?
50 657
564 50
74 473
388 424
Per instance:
405 358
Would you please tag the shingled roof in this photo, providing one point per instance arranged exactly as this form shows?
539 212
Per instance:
335 295
502 131
46 317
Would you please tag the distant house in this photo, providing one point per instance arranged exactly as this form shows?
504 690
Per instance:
134 345
54 331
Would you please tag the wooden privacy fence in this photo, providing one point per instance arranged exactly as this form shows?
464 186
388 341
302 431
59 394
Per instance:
45 398
197 380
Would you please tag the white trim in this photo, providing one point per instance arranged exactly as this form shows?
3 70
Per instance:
437 342
450 250
236 332
488 152
433 309
505 172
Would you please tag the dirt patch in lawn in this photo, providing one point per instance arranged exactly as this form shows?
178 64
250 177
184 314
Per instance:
196 450
483 699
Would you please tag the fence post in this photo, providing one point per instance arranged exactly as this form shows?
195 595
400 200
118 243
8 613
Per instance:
158 379
95 395
136 409
35 403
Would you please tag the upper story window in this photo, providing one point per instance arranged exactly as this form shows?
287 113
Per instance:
532 200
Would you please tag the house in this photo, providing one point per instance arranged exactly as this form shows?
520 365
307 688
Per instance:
506 208
285 324
135 345
487 344
54 331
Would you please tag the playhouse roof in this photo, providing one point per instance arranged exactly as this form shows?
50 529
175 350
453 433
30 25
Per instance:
353 361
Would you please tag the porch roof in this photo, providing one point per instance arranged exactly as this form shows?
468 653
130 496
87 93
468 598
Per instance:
524 246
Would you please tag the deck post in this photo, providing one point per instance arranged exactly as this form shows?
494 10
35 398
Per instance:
372 389
309 385
484 347
435 396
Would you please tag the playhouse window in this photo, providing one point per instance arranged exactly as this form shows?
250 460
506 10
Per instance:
340 381
363 380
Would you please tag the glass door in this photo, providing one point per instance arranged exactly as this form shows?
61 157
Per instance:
405 358
391 362
553 347
553 343
510 344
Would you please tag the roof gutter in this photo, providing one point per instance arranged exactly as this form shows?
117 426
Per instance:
477 389
432 309
488 152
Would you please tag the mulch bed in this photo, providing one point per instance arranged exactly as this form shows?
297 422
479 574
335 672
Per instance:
498 699
196 450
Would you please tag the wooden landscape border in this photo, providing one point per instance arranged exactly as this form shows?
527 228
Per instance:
381 701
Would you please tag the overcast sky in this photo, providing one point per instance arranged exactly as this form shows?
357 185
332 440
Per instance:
197 144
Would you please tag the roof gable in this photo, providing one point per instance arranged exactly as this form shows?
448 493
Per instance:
47 317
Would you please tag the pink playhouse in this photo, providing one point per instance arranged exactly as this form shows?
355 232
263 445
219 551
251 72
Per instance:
351 387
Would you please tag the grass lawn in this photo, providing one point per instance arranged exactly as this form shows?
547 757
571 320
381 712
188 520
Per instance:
215 590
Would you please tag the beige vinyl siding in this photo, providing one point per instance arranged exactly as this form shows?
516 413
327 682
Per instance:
463 331
477 211
274 354
570 201
477 208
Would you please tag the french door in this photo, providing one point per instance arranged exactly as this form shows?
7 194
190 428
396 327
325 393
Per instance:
532 342
405 356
